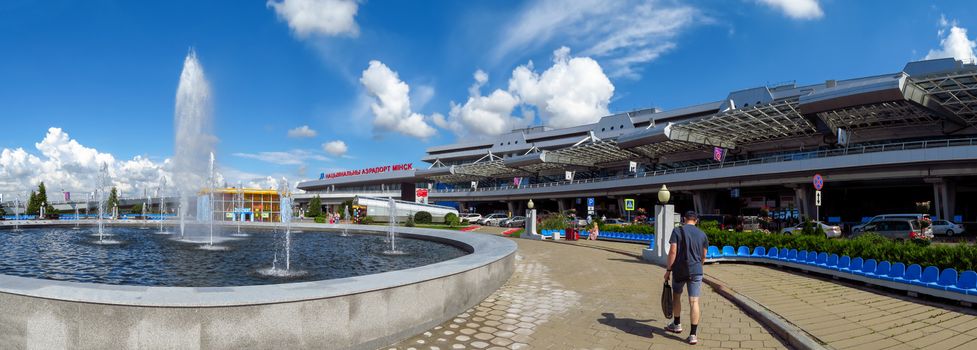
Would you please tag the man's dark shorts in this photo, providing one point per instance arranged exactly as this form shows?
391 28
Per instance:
694 284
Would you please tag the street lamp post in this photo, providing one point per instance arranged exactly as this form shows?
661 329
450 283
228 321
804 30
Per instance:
531 221
664 223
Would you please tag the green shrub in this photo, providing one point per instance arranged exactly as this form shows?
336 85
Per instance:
451 219
320 219
961 257
641 228
367 220
410 222
554 222
422 217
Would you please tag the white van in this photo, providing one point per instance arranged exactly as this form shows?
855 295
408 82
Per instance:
919 217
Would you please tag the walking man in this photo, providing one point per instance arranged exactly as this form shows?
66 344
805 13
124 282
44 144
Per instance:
688 250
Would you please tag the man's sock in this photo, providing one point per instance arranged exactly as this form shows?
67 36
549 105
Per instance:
694 328
677 321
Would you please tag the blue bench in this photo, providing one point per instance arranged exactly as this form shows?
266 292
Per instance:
946 283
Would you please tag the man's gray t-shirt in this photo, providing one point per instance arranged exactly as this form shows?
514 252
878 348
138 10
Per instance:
688 258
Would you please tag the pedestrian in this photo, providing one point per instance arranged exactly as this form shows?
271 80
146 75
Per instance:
594 232
688 246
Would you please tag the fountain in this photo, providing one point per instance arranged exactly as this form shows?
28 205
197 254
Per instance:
239 204
285 214
100 184
16 214
193 140
77 218
392 235
346 220
142 223
162 206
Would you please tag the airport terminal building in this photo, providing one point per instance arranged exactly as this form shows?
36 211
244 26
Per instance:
898 142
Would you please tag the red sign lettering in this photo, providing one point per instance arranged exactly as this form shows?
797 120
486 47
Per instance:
373 170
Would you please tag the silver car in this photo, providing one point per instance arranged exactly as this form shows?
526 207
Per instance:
946 227
900 229
829 230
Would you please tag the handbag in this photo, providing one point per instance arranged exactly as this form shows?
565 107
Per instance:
667 300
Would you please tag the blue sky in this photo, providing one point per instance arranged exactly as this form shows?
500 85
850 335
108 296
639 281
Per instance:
106 72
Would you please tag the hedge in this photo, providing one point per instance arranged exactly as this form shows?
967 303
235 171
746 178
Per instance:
423 217
451 219
639 228
961 256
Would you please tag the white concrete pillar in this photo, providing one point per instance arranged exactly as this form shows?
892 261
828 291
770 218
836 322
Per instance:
664 224
561 205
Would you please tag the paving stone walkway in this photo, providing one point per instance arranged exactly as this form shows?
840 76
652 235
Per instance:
840 314
563 296
847 316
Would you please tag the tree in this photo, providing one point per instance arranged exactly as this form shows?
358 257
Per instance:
113 200
42 197
315 207
136 209
33 206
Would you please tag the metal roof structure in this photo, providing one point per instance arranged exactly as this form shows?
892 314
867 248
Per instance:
777 120
955 91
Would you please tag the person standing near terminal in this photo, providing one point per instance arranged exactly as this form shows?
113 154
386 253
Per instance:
688 246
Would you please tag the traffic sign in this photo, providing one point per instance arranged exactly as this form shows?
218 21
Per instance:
818 182
817 198
628 204
590 202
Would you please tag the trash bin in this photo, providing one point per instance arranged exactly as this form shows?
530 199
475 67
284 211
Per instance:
572 234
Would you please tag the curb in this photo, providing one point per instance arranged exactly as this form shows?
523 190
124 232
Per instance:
796 337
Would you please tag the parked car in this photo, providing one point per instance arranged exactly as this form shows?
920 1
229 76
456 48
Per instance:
616 222
493 219
919 217
896 229
946 227
829 230
516 221
470 217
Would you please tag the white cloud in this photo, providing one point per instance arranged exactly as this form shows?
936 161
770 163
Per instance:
64 163
292 157
572 92
627 34
956 44
483 115
335 147
318 17
391 107
796 9
302 131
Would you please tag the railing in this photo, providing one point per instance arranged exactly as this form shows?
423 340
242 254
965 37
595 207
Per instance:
900 146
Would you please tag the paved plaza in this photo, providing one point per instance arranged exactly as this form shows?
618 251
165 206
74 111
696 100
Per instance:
564 296
838 314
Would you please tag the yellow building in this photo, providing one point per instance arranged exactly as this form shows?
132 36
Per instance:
246 204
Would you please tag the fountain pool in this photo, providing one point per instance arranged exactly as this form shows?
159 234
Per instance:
147 259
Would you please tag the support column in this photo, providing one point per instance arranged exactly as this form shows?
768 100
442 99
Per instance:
944 198
664 223
704 201
462 207
803 201
512 207
561 204
620 207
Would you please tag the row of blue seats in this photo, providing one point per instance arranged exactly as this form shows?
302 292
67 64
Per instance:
931 276
624 236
